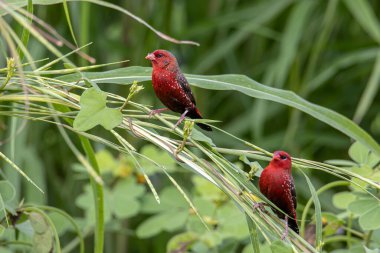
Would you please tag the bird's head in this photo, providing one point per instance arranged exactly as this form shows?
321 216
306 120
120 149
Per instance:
282 160
162 59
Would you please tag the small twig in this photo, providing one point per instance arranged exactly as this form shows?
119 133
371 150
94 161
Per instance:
135 88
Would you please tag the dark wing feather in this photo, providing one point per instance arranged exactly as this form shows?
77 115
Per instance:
293 192
185 86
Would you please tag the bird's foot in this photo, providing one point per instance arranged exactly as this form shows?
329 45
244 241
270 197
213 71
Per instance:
284 235
260 206
157 111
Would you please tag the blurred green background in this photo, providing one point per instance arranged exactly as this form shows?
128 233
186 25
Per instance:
322 50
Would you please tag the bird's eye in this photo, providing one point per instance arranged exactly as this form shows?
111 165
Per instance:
158 55
283 157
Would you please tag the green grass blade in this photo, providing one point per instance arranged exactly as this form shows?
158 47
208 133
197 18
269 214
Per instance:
318 214
248 87
291 38
67 14
253 235
369 92
25 32
364 14
274 9
6 159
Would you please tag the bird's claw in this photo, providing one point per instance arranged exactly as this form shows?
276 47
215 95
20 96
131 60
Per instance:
285 234
156 111
259 206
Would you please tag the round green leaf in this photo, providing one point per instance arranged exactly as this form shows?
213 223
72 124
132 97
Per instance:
341 200
362 206
151 226
371 219
127 189
125 209
175 220
169 221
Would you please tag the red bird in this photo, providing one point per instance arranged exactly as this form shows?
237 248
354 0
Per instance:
172 88
277 184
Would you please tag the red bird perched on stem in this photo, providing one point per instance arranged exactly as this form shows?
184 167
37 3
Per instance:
277 184
172 88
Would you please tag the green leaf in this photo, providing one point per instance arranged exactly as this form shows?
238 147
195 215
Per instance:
159 156
167 221
208 190
362 206
231 222
38 223
177 242
280 247
362 155
170 197
2 229
199 136
124 198
86 202
367 250
7 191
106 161
341 200
43 243
333 224
370 220
248 87
94 112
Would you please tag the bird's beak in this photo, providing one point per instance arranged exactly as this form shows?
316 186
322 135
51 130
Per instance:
150 57
276 155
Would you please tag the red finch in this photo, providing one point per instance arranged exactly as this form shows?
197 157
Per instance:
277 184
172 88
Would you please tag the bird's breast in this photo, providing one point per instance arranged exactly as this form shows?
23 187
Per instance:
169 91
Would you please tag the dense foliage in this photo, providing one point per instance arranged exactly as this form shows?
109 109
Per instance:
84 169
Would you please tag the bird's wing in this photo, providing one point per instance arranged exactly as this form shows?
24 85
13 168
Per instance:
185 86
293 192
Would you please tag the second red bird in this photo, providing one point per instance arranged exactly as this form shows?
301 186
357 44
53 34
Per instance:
277 184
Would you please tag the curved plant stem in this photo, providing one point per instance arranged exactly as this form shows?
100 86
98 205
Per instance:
368 238
97 190
308 204
349 234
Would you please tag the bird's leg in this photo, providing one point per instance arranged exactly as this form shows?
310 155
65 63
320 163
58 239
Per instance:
285 234
157 111
181 118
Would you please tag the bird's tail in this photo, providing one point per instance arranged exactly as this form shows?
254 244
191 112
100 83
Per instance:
195 114
292 223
